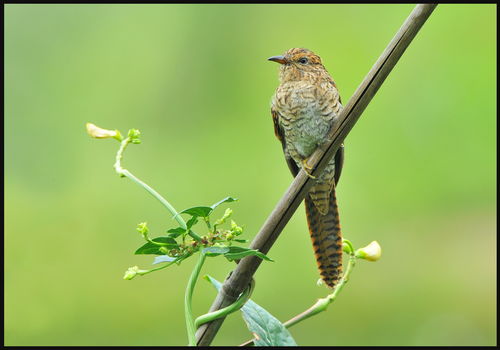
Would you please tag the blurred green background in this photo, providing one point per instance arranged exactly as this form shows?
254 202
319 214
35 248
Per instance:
419 174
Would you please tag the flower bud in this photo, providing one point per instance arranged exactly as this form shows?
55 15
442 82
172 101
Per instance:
143 229
100 133
226 216
371 252
131 272
235 229
346 248
227 213
134 135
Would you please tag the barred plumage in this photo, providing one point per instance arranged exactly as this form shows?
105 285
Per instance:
326 239
304 108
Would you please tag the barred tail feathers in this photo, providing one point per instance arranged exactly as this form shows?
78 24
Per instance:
325 233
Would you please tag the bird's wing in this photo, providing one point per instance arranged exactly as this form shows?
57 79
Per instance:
339 163
335 102
332 83
280 134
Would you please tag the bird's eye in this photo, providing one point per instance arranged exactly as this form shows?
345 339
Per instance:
303 60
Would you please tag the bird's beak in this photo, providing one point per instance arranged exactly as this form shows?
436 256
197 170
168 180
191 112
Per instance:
279 59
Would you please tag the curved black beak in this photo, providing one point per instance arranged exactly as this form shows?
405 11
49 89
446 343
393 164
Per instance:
278 59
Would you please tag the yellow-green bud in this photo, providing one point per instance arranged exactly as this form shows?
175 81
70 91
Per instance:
347 246
229 236
131 272
235 229
100 133
143 229
371 252
226 216
133 135
227 213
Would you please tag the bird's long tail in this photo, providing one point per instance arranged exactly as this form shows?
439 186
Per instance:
325 235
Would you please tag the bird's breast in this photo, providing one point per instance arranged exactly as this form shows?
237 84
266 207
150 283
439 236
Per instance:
303 117
311 130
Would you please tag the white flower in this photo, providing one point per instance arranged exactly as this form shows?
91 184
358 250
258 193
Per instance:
100 133
371 252
131 272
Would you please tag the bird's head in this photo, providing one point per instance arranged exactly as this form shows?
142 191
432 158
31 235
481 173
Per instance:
298 63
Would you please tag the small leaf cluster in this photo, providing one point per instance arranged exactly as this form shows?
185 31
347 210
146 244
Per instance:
180 243
134 136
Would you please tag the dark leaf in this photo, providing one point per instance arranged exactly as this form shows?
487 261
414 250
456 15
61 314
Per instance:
191 222
176 232
151 248
268 329
240 252
227 199
197 211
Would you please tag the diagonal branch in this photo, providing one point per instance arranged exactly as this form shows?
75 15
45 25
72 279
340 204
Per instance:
239 279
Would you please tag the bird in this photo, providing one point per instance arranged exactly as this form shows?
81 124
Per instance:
304 108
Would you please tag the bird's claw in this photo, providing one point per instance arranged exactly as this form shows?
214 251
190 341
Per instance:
307 169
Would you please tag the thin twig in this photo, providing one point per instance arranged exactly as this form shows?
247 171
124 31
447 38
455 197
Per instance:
241 276
124 172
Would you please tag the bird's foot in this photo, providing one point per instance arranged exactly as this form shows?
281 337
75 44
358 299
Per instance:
307 169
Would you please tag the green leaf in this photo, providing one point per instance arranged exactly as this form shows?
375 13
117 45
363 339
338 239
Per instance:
241 240
214 251
191 222
176 232
214 282
197 211
268 329
163 258
151 248
236 252
203 211
227 199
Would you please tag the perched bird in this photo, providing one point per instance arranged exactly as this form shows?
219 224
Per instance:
304 108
